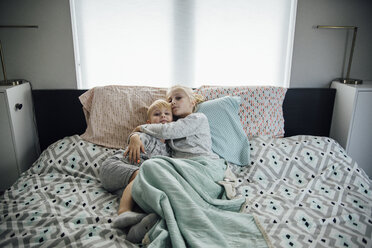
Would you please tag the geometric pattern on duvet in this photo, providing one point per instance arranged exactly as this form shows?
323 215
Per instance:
307 192
59 201
304 190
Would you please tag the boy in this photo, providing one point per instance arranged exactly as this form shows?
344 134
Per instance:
117 172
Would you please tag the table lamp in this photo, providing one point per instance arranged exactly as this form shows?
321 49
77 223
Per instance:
6 81
2 62
347 79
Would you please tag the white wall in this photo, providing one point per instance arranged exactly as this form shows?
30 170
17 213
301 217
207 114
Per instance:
45 55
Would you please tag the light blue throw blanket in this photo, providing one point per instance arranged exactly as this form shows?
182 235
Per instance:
191 204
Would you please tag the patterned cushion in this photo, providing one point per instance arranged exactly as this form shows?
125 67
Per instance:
228 138
112 112
261 112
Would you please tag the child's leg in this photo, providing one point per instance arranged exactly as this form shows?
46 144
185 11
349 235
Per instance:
115 174
126 216
137 232
126 201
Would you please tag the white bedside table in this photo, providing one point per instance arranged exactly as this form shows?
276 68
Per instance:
352 121
19 145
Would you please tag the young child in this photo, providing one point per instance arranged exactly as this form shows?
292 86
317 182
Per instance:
117 173
187 137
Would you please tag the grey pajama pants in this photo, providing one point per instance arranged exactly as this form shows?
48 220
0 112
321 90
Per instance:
115 173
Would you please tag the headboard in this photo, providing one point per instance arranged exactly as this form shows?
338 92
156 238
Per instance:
307 111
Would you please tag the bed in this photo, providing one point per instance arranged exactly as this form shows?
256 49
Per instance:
302 189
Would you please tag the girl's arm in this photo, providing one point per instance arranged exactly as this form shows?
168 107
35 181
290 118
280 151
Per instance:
190 125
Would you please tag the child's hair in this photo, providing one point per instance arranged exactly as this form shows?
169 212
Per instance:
160 103
189 92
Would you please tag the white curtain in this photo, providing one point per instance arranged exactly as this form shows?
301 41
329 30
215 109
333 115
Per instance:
165 42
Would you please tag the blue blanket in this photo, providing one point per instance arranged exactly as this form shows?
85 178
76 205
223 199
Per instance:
192 206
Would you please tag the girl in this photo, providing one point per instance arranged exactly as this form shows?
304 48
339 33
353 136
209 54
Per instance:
189 136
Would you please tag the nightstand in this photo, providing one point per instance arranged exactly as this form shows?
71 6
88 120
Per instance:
19 145
352 122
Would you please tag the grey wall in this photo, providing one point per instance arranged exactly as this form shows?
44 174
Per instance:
319 54
45 55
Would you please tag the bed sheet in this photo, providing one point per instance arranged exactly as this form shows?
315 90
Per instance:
305 191
60 202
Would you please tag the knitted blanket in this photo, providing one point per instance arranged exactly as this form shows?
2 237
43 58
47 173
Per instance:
193 210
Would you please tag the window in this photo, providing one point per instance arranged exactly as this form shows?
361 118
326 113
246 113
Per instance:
164 42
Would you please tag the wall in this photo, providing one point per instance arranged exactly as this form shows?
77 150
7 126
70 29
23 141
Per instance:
45 55
319 54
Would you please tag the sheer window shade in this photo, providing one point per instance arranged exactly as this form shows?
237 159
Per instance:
165 42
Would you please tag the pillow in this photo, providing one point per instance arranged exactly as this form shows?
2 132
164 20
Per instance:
112 112
228 137
261 112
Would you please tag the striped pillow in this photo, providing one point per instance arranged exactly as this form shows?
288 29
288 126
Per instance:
112 112
228 138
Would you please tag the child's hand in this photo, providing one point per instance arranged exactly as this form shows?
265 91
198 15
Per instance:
137 129
134 149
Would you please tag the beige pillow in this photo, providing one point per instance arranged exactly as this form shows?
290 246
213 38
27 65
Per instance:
112 112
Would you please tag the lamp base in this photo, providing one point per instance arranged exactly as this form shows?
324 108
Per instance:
12 82
349 80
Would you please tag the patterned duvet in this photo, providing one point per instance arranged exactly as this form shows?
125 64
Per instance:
304 190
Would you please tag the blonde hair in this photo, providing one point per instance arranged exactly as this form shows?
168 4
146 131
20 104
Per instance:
160 103
189 92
